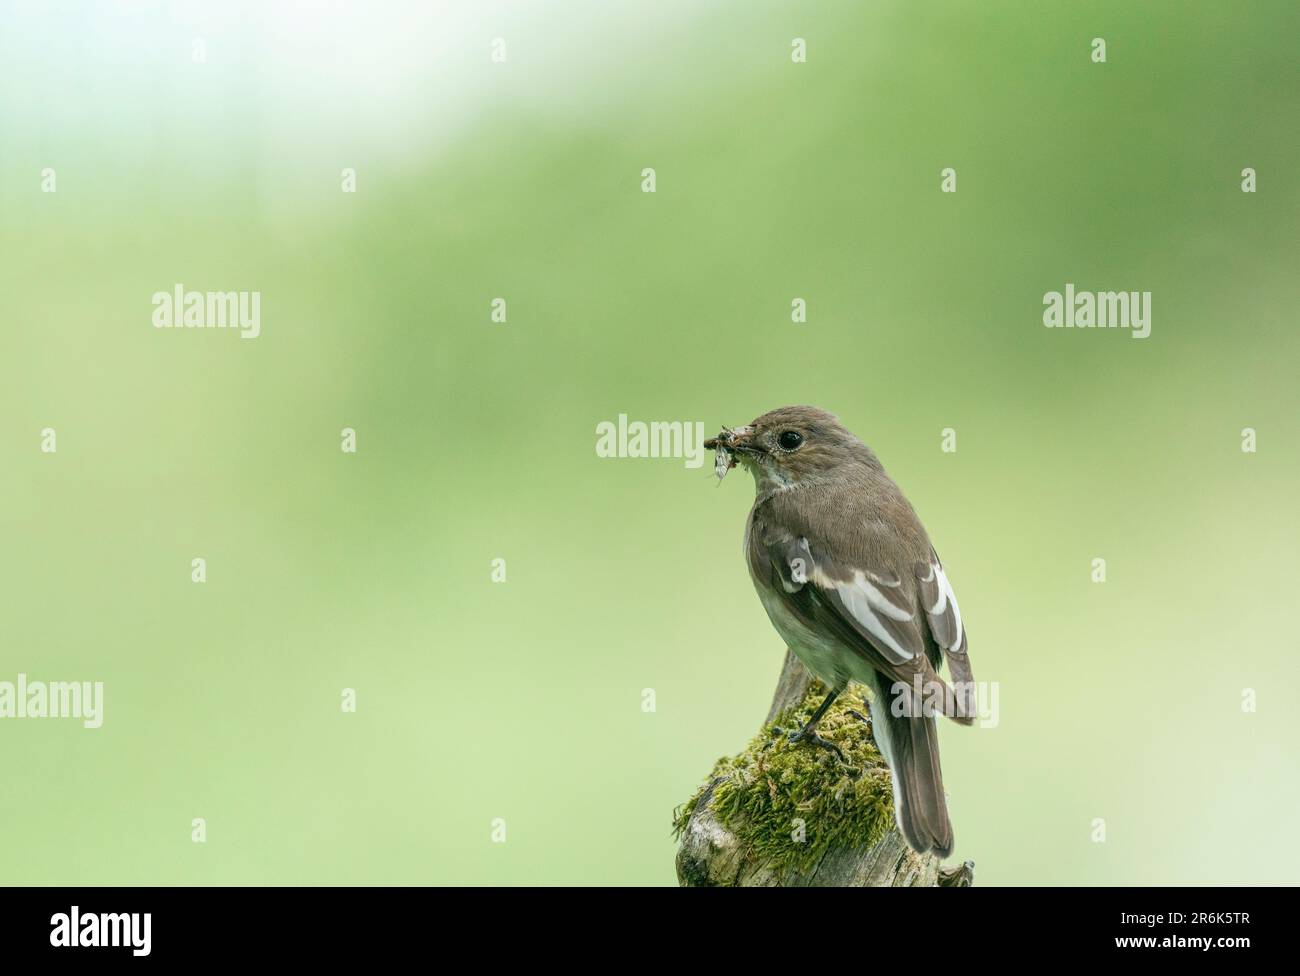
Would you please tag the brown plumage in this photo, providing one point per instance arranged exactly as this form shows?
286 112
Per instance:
849 578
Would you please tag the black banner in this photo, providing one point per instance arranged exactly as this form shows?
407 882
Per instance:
141 926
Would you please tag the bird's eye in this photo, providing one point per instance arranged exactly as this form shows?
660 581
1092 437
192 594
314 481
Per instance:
790 439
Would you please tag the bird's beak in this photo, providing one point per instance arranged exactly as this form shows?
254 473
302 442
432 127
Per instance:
738 440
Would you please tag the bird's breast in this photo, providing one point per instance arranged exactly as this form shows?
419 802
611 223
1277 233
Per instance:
824 656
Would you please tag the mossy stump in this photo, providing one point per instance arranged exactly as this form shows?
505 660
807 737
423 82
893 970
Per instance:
795 815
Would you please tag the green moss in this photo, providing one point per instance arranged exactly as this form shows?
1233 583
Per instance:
760 794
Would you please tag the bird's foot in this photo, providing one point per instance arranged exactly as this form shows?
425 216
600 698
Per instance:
808 735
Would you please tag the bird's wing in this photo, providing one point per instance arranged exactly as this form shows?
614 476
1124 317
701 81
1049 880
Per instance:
871 609
944 617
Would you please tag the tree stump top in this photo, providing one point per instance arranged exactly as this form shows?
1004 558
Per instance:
782 814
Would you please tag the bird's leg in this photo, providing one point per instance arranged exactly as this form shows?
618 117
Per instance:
821 710
809 734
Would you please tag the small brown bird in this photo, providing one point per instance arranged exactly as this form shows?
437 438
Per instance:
851 582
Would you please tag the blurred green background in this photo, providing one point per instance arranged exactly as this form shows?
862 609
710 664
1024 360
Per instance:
522 700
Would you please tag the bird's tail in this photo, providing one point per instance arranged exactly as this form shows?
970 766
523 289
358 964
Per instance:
911 747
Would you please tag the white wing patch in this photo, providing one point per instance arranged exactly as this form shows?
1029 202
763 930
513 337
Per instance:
940 603
893 582
864 601
946 596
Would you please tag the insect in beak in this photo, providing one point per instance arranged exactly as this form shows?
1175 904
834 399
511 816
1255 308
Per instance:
730 442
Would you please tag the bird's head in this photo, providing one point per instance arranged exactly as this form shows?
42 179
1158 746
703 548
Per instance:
793 446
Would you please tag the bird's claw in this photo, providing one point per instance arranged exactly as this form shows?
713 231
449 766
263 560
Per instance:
804 735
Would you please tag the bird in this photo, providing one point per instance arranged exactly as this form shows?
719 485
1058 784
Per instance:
851 582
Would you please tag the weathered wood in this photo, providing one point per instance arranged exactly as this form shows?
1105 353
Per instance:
710 855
